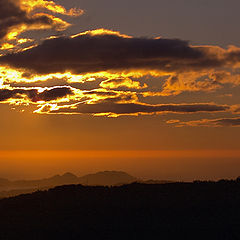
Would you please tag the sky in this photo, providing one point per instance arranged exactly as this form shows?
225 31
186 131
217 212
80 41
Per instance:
148 87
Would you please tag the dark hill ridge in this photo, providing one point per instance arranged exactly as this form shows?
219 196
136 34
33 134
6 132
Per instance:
199 210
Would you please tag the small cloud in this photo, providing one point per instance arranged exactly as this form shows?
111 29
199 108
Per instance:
220 122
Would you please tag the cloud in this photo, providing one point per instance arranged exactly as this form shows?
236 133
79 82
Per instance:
119 60
34 95
114 109
106 51
63 94
17 16
111 74
192 82
122 83
108 96
220 122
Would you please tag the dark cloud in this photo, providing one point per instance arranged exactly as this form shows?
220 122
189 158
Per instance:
51 82
55 93
33 94
132 108
6 94
11 15
228 122
93 53
221 122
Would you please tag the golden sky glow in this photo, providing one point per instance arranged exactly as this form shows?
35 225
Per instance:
72 79
121 154
167 164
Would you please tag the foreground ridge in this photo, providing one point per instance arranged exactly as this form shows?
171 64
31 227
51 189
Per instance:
199 210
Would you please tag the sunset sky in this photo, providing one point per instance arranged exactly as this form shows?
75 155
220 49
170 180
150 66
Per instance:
148 87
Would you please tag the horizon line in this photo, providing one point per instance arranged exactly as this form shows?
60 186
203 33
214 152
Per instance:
119 153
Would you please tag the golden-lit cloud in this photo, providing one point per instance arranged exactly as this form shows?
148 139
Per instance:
105 73
29 6
99 51
116 109
91 53
192 82
95 54
18 16
6 46
122 82
24 40
101 31
25 96
220 122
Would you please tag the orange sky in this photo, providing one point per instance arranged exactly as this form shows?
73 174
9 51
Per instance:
169 165
84 88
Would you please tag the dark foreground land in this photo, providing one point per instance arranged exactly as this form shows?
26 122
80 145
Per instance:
200 210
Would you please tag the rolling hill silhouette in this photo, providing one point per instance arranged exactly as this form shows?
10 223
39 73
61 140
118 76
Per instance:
105 178
199 210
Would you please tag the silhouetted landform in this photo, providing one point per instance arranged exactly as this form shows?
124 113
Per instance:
106 178
198 210
152 181
16 192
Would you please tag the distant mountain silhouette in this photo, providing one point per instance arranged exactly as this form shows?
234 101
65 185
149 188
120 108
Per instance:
106 178
198 210
52 181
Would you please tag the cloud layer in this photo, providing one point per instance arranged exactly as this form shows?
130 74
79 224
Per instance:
105 73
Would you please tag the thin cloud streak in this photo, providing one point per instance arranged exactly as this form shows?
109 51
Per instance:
114 109
220 122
